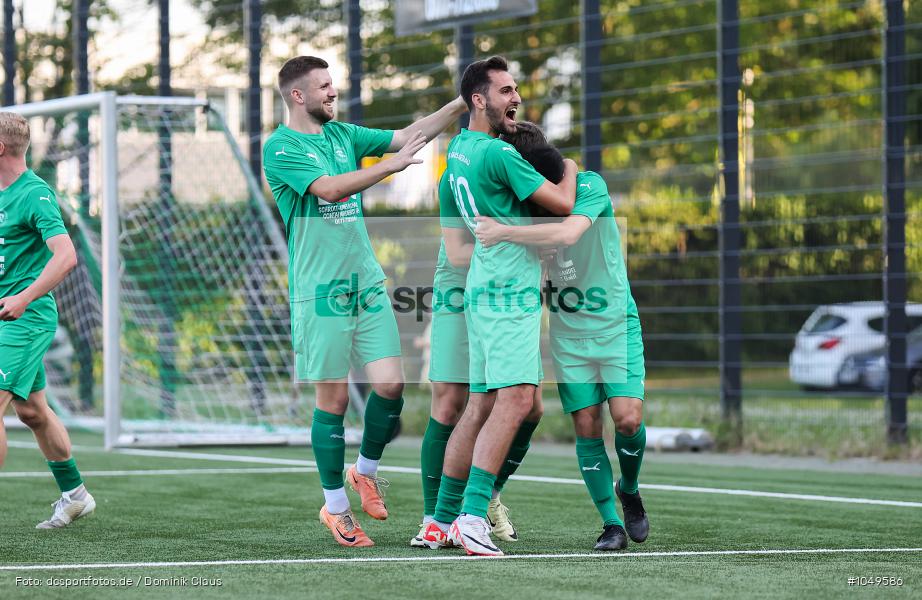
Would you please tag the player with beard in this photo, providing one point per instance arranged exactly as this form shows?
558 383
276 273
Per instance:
596 338
340 311
486 176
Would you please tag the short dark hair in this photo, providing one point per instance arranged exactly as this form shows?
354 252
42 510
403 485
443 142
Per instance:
526 137
295 68
476 77
547 161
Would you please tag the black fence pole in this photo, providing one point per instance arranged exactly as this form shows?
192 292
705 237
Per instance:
9 54
592 85
895 325
464 42
730 290
356 67
252 24
82 81
165 88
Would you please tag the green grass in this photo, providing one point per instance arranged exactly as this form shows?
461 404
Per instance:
202 517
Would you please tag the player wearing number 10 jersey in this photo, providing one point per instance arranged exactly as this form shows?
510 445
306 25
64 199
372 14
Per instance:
596 338
502 300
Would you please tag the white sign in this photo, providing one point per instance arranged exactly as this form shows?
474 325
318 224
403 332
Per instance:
417 16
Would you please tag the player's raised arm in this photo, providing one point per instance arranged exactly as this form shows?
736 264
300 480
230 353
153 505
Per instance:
430 125
336 187
564 233
558 199
64 258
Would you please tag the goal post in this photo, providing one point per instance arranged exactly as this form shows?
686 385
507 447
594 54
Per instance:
183 334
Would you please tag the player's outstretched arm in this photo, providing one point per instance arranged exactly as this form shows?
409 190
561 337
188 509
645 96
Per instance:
458 246
545 235
64 259
431 125
334 188
558 199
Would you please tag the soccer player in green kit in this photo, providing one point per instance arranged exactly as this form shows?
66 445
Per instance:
502 301
595 332
449 374
35 255
340 311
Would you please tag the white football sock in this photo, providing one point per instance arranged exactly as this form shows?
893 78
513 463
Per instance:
337 500
366 466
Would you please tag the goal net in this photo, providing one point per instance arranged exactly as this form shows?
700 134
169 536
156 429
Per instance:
174 328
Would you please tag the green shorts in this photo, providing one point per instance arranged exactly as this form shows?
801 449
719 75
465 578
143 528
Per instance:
22 348
333 333
448 351
504 347
591 370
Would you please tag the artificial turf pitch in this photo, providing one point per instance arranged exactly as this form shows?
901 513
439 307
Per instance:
261 504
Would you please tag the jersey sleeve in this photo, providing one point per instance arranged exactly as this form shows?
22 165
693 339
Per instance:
45 214
508 166
289 164
368 142
449 216
591 196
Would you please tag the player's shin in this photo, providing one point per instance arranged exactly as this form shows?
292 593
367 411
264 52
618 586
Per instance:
595 467
432 458
517 451
630 456
382 418
328 441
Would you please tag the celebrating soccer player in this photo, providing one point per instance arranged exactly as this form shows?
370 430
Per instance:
35 255
596 339
449 374
486 176
340 310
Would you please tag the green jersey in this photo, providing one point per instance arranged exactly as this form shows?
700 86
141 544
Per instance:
487 176
593 295
29 216
448 276
328 246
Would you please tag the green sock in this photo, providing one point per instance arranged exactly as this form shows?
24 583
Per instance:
596 470
451 494
382 416
478 491
431 459
328 441
65 474
630 455
517 452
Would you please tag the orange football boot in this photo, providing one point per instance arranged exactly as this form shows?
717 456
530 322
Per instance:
371 490
345 528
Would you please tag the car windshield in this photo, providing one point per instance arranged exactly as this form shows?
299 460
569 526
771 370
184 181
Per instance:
826 323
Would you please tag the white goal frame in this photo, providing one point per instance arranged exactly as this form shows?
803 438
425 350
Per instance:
107 103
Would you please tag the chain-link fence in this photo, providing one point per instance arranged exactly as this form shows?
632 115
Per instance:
807 116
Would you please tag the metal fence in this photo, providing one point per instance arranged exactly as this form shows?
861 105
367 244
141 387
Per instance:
766 156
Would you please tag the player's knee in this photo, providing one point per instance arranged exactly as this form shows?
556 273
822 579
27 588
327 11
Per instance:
391 390
447 413
586 424
629 422
31 417
537 411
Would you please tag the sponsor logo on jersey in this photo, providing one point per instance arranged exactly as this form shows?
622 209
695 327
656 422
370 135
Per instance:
2 217
340 155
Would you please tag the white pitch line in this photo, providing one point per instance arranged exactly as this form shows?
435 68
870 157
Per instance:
531 478
240 471
442 558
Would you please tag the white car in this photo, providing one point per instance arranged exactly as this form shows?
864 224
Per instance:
833 333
